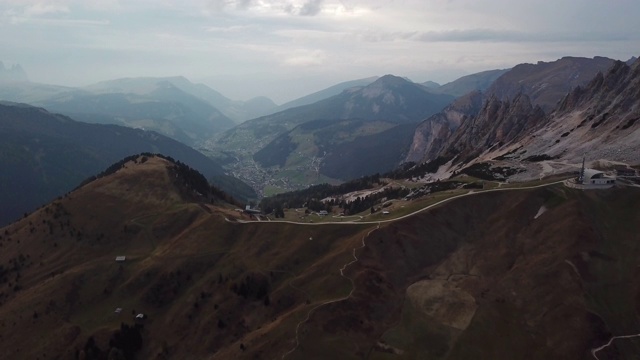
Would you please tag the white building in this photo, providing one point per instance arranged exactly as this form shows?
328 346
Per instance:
595 177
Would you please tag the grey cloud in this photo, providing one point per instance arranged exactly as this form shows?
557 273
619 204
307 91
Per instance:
289 9
216 5
244 4
311 8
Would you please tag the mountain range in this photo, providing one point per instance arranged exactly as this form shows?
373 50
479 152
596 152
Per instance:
238 111
300 138
46 155
469 83
326 93
190 113
472 247
510 121
492 108
356 122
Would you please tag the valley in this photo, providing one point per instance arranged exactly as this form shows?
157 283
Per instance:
492 217
428 283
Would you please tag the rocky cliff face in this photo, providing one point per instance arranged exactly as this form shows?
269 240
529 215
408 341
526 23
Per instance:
498 123
599 117
600 120
432 134
546 83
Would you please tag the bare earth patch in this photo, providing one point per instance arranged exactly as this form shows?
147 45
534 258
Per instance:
444 302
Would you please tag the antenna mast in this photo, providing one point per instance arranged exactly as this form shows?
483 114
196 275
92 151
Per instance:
581 178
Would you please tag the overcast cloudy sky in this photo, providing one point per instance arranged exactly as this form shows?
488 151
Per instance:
285 49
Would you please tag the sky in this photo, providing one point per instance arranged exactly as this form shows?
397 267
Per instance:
285 49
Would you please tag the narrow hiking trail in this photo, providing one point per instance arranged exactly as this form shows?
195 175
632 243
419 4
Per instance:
353 288
594 351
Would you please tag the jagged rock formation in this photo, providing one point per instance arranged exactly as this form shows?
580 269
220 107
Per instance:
432 134
601 119
513 114
498 123
547 82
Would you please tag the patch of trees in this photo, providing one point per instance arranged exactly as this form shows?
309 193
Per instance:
124 344
192 179
361 204
538 158
234 190
253 287
411 169
312 195
434 187
484 171
112 169
188 177
166 288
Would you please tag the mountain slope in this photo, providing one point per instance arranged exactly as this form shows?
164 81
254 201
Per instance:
474 82
497 123
33 93
389 101
450 283
432 134
340 149
600 120
518 103
326 93
238 111
389 98
165 109
46 155
546 83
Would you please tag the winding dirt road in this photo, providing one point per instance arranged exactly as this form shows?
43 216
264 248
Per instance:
353 288
471 192
355 257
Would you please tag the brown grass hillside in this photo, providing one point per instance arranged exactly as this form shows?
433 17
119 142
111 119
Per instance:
476 278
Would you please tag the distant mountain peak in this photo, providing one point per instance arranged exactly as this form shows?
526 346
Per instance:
431 84
386 86
391 80
13 73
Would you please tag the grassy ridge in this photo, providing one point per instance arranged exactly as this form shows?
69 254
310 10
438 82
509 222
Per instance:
554 286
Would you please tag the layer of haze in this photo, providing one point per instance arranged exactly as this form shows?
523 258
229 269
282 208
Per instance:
285 49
